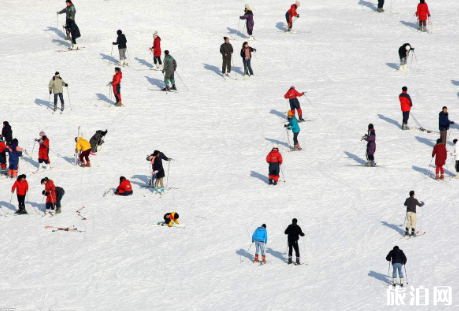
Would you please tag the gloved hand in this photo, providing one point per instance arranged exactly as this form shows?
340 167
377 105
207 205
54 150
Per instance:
304 93
114 43
285 125
43 192
428 15
170 159
252 241
109 83
162 71
254 50
66 85
298 16
50 92
452 122
412 48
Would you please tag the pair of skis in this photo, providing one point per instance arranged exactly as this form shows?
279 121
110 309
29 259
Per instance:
163 224
68 229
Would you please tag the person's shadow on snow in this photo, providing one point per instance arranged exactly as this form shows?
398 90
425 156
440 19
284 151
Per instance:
104 98
379 276
279 114
213 68
61 43
244 253
259 176
59 32
425 141
143 62
281 26
155 82
143 180
411 25
29 160
109 58
40 206
392 65
275 141
395 227
276 254
41 102
232 31
367 4
7 205
354 157
389 120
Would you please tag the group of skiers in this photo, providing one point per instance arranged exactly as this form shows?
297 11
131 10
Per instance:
422 13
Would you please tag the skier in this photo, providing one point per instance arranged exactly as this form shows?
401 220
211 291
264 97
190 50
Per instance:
116 83
455 154
444 123
70 12
405 104
370 137
292 95
21 186
170 66
171 218
440 154
50 193
226 49
422 13
59 194
7 133
411 204
121 43
14 153
398 260
290 14
246 54
2 156
274 158
295 128
157 165
124 188
403 53
56 86
260 237
73 29
156 50
43 152
84 147
380 6
97 140
293 231
248 16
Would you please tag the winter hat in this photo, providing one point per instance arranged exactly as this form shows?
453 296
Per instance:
15 141
264 226
56 73
290 113
117 69
122 178
166 52
404 89
247 6
439 141
43 180
294 221
454 141
42 133
69 1
396 248
118 32
76 139
155 33
224 38
292 87
275 146
370 126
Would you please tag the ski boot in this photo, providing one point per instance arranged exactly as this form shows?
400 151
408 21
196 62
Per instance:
289 261
275 183
166 89
256 258
58 210
413 233
401 282
83 164
89 164
68 37
62 107
162 191
373 163
118 104
19 211
301 119
174 88
51 212
394 281
55 108
407 233
368 163
298 261
263 259
442 176
74 47
436 176
271 181
457 176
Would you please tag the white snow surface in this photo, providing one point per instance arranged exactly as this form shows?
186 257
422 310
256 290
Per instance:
218 133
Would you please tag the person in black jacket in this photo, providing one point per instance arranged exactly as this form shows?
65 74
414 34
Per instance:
121 43
226 49
403 53
156 159
246 54
411 204
293 231
7 133
443 124
73 29
398 260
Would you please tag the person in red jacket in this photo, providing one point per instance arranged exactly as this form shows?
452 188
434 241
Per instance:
274 158
21 186
3 156
405 105
441 155
292 95
422 13
156 50
290 14
125 187
43 152
116 83
50 193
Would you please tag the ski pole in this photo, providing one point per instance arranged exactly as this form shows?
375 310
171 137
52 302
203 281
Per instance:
414 54
109 93
406 274
312 105
11 196
428 167
68 95
283 176
57 25
388 271
33 149
304 249
288 137
129 56
49 101
182 81
111 55
168 168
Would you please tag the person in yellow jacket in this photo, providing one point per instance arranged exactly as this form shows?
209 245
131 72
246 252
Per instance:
170 218
84 148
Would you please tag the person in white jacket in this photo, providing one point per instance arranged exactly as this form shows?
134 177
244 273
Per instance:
456 156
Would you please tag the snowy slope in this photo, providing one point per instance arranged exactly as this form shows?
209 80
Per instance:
219 133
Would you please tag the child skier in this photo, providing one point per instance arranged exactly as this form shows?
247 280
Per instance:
398 258
56 86
121 43
50 193
21 186
292 95
156 50
171 218
443 124
411 204
70 12
422 13
295 128
14 153
293 232
405 105
124 188
43 152
156 159
84 148
116 83
248 16
246 54
170 66
370 137
403 53
2 156
455 154
274 158
440 154
290 14
260 237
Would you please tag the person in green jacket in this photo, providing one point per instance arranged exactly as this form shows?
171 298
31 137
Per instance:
170 65
70 12
56 86
295 128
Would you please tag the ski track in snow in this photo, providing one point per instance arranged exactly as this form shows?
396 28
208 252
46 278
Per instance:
218 133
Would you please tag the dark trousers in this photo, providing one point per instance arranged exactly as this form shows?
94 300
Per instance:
406 116
443 136
226 67
293 244
21 200
157 59
59 194
117 92
50 205
247 67
73 40
295 138
380 4
371 157
457 166
125 193
61 97
289 22
85 155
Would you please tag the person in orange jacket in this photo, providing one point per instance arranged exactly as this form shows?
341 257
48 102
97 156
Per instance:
440 154
290 14
422 13
124 188
405 105
50 193
116 83
84 147
274 158
292 95
171 218
21 186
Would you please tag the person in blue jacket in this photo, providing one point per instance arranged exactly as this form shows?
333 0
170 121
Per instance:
443 124
14 153
293 125
260 237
